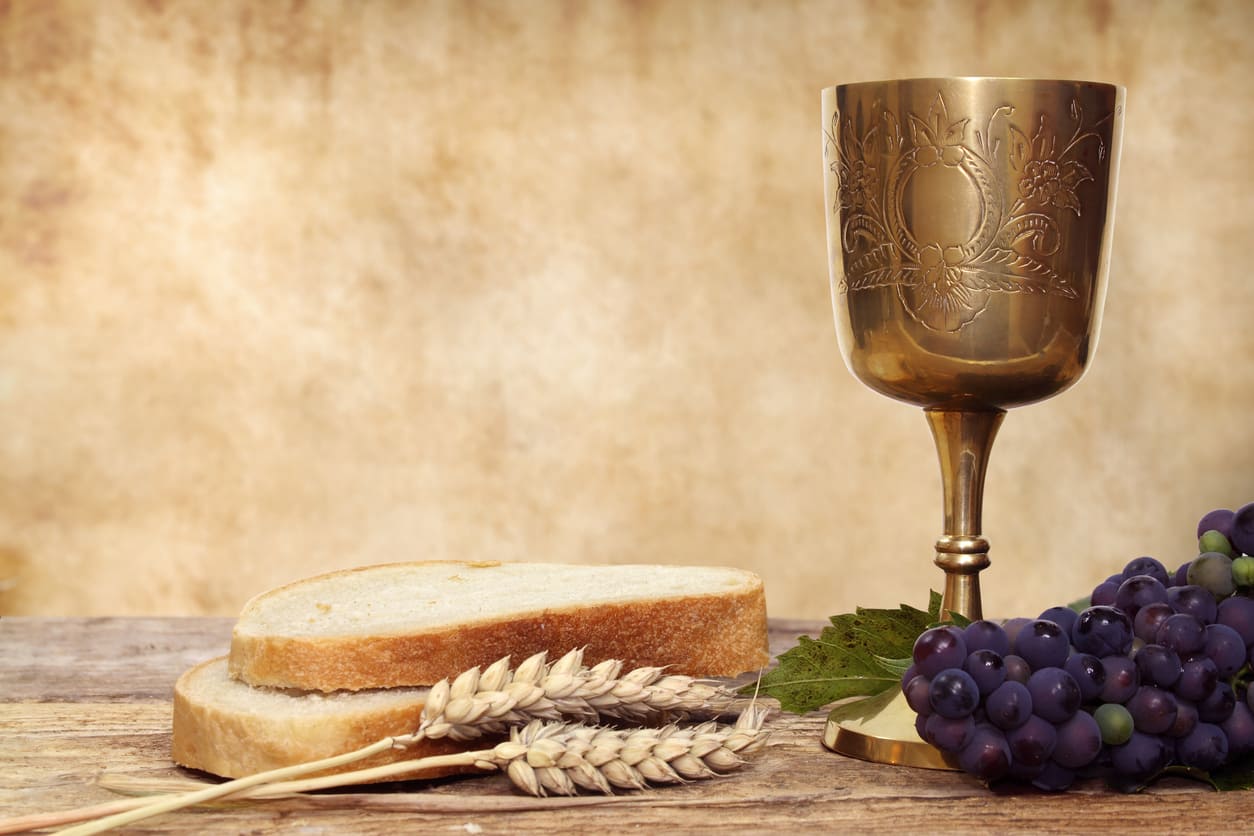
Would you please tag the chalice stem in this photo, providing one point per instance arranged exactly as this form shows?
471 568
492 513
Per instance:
964 439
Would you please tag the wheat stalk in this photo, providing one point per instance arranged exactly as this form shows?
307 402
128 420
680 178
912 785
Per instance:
496 700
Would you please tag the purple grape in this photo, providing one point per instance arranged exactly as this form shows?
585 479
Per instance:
920 725
1239 729
939 648
1142 756
1198 677
1138 591
1238 613
1225 647
987 669
1042 644
1122 679
1242 535
1088 673
918 695
1193 600
1182 633
1220 520
1102 631
1017 669
1104 594
986 635
1145 624
1023 772
948 734
1064 617
1079 741
911 673
1009 706
1219 705
1012 626
1186 719
1158 665
1053 777
986 755
1181 577
953 694
1145 566
1032 743
1055 694
1206 747
1153 709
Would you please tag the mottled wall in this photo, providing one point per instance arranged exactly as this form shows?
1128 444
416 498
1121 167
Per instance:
286 287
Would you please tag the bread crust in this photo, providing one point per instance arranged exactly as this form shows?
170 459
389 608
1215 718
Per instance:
715 634
232 742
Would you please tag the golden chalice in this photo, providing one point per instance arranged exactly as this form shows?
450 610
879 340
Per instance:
969 226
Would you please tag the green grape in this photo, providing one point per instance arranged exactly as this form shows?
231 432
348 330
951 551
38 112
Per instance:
1213 571
1243 571
1115 723
1215 541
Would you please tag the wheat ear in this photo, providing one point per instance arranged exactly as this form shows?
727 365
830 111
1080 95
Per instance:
498 699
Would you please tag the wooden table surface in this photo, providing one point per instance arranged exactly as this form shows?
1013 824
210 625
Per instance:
83 700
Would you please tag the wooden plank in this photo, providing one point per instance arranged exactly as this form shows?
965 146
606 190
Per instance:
95 658
58 744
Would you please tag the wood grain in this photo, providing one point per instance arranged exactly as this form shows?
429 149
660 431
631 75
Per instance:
86 701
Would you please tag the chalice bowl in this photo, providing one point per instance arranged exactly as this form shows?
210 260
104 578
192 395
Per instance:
969 225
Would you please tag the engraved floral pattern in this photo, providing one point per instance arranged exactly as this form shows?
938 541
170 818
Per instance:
946 284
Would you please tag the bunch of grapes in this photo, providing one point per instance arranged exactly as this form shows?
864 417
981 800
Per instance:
1154 673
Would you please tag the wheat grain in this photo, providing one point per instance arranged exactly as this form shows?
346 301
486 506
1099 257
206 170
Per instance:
497 699
561 759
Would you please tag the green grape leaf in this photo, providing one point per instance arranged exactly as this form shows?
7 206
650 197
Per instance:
1080 604
1238 775
957 619
861 654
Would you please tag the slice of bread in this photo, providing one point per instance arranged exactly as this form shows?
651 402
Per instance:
230 729
412 624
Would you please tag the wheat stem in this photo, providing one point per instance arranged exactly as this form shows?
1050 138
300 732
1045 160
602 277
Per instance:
229 788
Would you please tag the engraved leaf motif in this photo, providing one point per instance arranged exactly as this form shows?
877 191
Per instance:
955 132
876 268
893 138
1074 173
1020 148
868 143
920 133
1044 142
861 225
1007 270
1040 230
1066 199
937 130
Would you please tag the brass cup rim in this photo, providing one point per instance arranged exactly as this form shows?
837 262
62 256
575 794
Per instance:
978 79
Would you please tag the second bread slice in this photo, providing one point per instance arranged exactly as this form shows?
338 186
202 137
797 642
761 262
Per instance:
225 727
408 624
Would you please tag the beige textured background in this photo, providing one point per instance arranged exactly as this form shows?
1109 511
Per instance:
286 287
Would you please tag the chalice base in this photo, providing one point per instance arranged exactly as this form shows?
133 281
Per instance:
881 730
